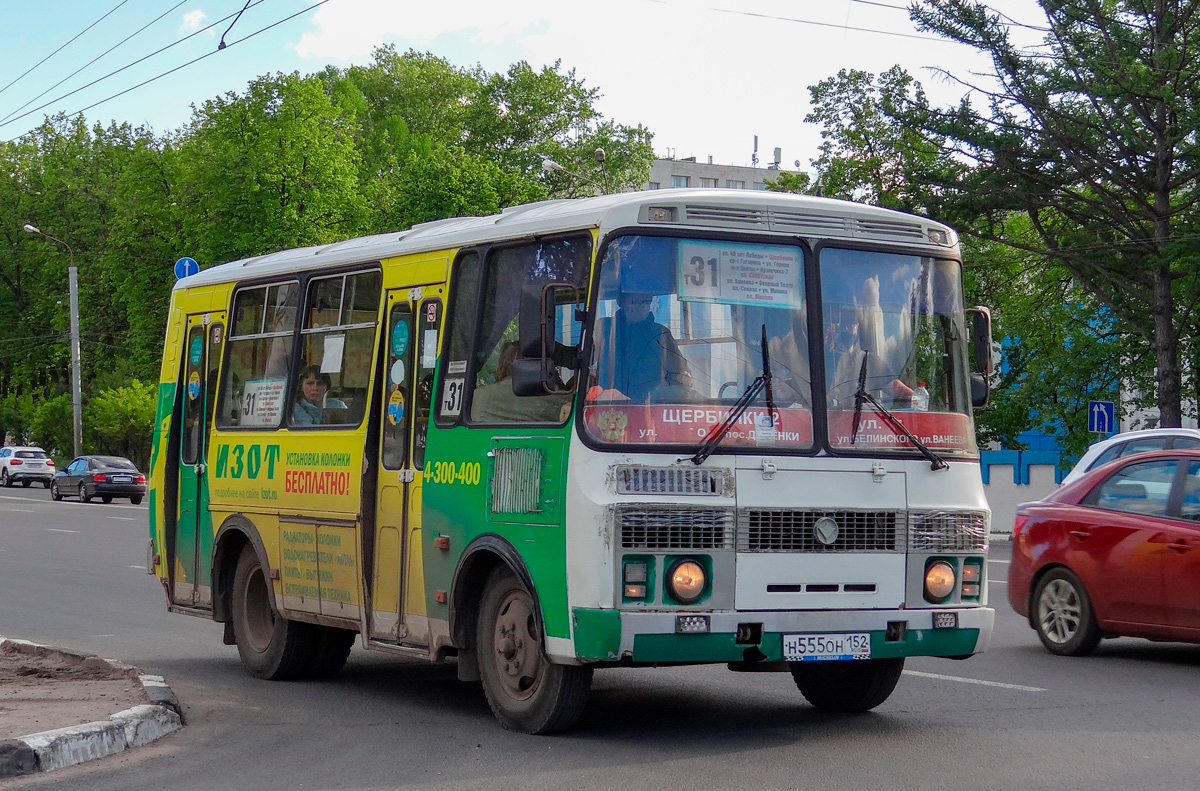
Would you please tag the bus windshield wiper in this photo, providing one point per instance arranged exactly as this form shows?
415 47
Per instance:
862 396
740 406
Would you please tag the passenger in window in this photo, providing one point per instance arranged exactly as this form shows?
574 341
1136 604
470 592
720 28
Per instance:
647 357
496 402
312 397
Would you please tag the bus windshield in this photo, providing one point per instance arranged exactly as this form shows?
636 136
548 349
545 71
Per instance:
894 326
678 337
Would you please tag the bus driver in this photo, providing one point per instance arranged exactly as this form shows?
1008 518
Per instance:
642 354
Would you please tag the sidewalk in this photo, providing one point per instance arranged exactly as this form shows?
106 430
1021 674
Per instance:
56 708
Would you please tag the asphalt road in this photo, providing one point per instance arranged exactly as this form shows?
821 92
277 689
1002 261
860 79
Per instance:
1014 718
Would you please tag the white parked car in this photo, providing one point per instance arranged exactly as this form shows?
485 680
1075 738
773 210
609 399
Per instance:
26 464
1132 442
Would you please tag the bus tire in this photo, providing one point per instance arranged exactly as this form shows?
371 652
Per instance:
331 649
526 692
271 646
849 686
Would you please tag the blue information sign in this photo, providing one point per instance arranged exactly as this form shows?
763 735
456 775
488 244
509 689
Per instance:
186 267
1102 417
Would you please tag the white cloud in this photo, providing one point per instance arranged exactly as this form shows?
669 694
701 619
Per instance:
705 81
192 20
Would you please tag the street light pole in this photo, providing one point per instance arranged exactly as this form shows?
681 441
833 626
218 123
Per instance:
76 379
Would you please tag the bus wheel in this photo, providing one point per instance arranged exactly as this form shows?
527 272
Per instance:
857 685
527 693
271 646
331 648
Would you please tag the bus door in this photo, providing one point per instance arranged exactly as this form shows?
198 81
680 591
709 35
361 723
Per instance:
201 354
414 319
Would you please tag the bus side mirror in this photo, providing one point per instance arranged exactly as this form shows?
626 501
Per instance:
981 344
535 370
981 339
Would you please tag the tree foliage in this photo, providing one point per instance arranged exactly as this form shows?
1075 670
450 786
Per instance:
291 160
1091 138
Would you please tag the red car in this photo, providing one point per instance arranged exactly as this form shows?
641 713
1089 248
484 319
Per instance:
1116 553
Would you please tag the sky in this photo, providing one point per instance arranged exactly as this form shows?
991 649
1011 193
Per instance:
704 77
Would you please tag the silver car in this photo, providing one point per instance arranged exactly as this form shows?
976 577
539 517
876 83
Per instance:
1129 443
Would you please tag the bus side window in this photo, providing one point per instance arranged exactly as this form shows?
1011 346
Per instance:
330 387
262 331
509 272
460 330
397 399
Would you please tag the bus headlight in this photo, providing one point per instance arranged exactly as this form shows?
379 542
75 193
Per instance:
686 581
939 581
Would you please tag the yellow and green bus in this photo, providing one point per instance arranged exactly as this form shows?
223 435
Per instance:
653 428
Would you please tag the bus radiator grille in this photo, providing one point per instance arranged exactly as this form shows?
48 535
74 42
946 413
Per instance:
787 530
651 527
631 479
948 531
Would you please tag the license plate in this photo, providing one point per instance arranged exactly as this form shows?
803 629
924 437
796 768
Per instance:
826 647
122 479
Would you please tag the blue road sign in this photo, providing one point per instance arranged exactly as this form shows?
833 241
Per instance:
186 267
1102 417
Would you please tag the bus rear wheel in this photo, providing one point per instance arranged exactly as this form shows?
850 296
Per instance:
526 692
271 646
331 648
858 685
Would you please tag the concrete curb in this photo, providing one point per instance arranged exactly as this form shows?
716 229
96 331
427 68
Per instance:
57 749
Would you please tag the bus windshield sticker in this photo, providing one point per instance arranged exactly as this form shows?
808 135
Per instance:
740 274
429 348
397 373
452 397
457 367
262 402
331 360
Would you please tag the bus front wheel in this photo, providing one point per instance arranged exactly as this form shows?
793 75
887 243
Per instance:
526 692
271 646
858 685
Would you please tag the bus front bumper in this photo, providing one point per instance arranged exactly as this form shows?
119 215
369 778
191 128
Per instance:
615 635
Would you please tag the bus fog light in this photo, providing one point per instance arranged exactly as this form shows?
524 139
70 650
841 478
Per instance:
939 581
971 589
691 624
635 591
686 581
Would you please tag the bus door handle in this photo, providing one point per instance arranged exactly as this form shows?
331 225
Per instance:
200 468
407 476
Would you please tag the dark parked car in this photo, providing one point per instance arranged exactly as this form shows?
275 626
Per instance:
105 477
1116 553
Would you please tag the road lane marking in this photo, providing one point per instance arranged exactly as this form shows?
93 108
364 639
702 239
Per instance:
60 530
997 582
74 505
1002 685
126 518
1005 562
143 568
20 510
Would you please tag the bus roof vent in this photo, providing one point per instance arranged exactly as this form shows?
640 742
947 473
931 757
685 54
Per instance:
631 479
726 216
890 230
803 222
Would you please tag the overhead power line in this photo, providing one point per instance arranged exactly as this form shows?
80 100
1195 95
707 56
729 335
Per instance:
93 60
98 80
64 46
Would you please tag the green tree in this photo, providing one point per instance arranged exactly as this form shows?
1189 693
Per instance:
273 168
53 426
1092 138
121 422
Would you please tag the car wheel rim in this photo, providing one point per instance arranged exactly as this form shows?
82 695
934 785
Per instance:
518 647
1060 611
54 490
